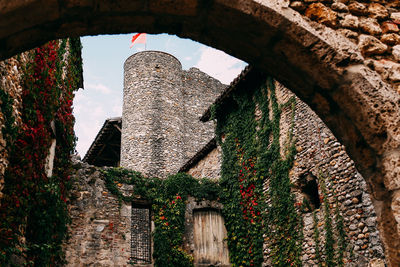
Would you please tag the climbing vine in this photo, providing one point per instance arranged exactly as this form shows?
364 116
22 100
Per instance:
316 237
168 198
33 209
251 159
335 243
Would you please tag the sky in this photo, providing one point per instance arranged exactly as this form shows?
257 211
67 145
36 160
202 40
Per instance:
103 59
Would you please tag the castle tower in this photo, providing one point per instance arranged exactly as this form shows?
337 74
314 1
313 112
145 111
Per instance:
152 117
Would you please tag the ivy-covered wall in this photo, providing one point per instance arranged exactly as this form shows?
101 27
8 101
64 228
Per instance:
33 207
101 209
291 194
10 106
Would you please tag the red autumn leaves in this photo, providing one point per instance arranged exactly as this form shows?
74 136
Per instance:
247 177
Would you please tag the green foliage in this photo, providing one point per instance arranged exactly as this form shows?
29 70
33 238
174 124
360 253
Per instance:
329 241
316 239
341 235
251 157
332 256
34 205
168 198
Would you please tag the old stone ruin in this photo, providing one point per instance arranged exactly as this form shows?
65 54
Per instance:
340 57
160 133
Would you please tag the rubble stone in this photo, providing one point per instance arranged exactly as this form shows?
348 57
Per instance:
370 45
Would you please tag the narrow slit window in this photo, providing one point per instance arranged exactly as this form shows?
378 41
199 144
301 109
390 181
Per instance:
309 189
140 234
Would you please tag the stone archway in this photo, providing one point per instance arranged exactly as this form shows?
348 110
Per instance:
320 65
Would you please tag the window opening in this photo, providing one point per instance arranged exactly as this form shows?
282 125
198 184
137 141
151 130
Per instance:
309 188
140 234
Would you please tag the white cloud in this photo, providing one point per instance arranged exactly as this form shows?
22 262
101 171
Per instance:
139 48
219 65
117 109
90 113
98 87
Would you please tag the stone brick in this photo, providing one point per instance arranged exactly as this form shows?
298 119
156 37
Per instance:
396 52
352 35
395 16
181 7
370 45
209 166
339 7
391 162
391 39
378 11
358 8
308 157
388 27
350 22
298 5
369 25
322 14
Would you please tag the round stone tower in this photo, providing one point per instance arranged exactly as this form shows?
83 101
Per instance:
152 116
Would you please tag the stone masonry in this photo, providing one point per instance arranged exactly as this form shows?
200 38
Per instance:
209 166
372 25
162 104
100 231
10 82
319 151
309 51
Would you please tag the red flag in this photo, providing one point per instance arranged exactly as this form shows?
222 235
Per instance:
139 38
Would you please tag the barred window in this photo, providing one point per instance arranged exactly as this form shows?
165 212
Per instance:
140 234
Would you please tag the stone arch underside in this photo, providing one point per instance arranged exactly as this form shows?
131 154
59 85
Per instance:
321 66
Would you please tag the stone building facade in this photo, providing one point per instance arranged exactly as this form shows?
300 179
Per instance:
94 208
318 152
304 44
162 104
100 228
160 131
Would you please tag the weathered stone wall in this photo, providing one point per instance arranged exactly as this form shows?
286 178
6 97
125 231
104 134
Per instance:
100 230
321 65
318 152
160 119
372 25
200 91
10 82
209 166
152 117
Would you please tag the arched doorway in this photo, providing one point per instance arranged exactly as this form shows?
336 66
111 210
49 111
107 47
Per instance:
321 66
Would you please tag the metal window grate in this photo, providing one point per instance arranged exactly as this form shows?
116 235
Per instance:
140 234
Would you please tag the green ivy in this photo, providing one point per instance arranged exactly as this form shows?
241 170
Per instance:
245 140
168 198
334 248
33 210
341 235
316 239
